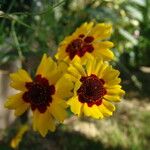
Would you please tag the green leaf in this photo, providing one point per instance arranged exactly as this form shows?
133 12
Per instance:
139 2
135 13
128 36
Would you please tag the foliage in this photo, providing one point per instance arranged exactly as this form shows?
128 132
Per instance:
32 27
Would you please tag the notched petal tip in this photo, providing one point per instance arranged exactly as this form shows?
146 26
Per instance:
7 104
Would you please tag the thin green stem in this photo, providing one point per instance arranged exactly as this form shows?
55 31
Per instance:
8 10
14 18
16 41
39 13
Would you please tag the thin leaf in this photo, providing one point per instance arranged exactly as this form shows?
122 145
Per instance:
128 36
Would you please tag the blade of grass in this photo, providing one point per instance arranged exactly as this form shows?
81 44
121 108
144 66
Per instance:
50 8
14 18
21 57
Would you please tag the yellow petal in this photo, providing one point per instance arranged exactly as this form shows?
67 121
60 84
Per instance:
108 105
21 109
41 67
18 86
75 105
110 74
115 86
19 79
96 68
103 44
101 31
62 66
57 109
92 111
36 115
79 67
20 75
101 69
106 54
56 72
105 110
43 122
113 82
13 101
89 66
84 28
114 98
102 49
71 77
64 88
16 102
116 91
77 86
24 75
61 54
74 72
48 69
53 76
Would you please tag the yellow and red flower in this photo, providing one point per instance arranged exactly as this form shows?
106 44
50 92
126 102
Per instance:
96 87
87 39
43 95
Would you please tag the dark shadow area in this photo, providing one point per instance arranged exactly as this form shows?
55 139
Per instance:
4 146
62 140
135 82
132 90
59 140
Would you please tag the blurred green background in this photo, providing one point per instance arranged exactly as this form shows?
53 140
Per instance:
29 28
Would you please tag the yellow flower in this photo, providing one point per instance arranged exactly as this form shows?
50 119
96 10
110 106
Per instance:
96 86
87 39
43 95
17 139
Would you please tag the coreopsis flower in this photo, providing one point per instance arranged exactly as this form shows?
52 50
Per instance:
88 38
96 87
43 95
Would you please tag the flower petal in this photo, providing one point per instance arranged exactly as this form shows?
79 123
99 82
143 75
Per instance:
15 101
21 109
19 79
110 74
79 68
74 72
105 110
57 109
64 88
116 91
41 67
84 28
115 98
75 105
101 31
108 105
92 111
43 122
48 69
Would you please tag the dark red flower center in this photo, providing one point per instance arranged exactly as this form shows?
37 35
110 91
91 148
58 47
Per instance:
39 93
80 46
92 90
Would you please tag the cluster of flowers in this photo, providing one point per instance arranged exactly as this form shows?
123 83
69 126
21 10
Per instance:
81 79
